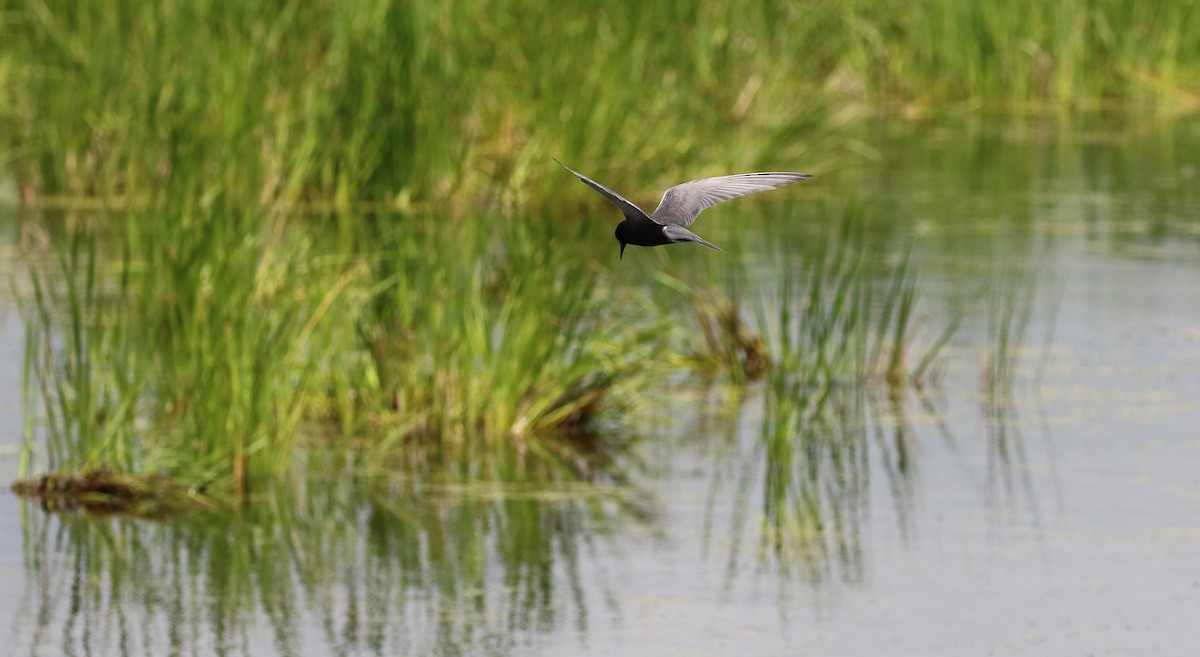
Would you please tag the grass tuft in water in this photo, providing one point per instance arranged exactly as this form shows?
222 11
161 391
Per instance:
826 318
184 354
840 329
729 345
517 341
207 346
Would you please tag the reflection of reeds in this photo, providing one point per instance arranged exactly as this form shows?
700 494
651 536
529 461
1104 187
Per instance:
798 486
837 334
1010 309
813 432
356 566
1011 303
816 482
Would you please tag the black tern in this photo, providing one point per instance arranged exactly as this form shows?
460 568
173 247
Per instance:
681 204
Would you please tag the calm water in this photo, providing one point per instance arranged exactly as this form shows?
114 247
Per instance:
1060 516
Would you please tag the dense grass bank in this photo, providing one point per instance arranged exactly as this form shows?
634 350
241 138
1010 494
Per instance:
393 102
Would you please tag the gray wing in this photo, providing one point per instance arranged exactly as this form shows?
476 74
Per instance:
682 203
628 209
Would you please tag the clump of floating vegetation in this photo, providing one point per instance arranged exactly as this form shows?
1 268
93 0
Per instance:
100 492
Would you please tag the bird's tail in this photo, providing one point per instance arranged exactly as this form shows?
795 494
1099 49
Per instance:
681 234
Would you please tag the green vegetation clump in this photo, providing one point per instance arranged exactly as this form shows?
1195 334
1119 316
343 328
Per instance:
208 358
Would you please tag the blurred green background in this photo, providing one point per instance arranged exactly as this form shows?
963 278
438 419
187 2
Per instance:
455 105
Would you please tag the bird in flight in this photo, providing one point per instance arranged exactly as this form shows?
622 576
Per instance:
681 204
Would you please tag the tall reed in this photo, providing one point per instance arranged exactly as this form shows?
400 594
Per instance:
482 336
185 354
206 347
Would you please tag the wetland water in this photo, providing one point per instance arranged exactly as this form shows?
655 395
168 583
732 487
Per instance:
1055 512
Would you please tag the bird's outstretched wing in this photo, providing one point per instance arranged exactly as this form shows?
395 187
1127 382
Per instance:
682 203
628 209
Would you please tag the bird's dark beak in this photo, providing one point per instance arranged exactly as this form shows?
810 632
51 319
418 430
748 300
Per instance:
622 251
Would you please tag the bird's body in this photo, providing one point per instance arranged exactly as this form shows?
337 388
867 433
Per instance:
681 205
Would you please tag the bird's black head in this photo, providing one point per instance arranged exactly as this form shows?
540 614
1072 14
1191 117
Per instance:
621 237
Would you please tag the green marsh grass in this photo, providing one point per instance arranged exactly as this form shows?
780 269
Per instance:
205 349
182 353
481 338
376 101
